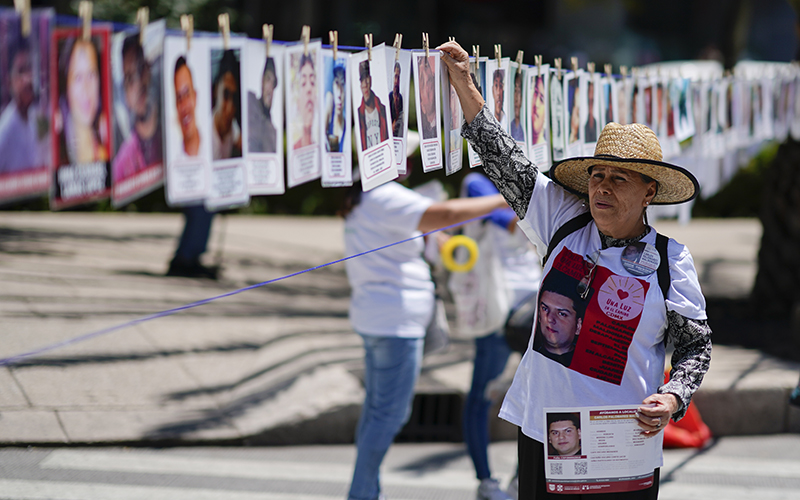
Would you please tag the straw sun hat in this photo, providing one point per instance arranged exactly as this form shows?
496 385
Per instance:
634 147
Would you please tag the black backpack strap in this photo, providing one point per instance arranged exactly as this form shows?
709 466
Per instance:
568 228
663 266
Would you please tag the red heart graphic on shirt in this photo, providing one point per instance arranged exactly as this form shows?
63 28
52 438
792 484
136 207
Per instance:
622 294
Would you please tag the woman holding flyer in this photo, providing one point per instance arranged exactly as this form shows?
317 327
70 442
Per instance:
637 305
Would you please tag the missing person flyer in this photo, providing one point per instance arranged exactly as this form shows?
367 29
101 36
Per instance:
598 450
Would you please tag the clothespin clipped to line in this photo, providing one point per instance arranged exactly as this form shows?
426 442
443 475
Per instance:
607 69
426 44
557 62
398 42
476 52
519 62
267 31
305 35
498 53
333 37
23 8
142 18
187 26
590 68
85 13
224 21
538 61
368 45
574 61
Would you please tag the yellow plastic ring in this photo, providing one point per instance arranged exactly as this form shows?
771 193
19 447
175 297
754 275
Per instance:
448 249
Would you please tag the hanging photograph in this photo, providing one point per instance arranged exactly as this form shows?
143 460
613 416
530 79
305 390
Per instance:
557 116
26 143
374 141
228 188
187 112
478 74
625 101
519 98
572 113
497 95
81 117
660 108
537 117
399 68
426 80
453 117
648 104
303 113
682 110
609 101
337 156
591 111
137 73
263 82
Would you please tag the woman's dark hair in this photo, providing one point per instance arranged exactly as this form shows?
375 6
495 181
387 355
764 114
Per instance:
179 63
269 67
228 64
305 59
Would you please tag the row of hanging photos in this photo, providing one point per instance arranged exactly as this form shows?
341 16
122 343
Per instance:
220 147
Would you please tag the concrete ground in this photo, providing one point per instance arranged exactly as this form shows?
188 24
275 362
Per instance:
276 364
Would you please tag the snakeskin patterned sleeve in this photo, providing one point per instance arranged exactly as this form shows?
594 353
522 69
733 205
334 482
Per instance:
690 360
503 161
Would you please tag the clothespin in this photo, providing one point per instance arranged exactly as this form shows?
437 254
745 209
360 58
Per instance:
224 21
476 53
267 31
425 44
368 44
590 68
607 69
187 25
23 8
519 62
574 61
305 35
538 60
85 13
557 61
398 42
142 18
333 36
498 53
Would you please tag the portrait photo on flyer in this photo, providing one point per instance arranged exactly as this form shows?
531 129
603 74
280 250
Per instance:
187 112
263 82
337 157
598 450
558 126
26 143
453 117
497 95
426 82
590 108
228 188
572 113
537 116
478 75
303 113
81 100
518 126
137 67
374 141
398 65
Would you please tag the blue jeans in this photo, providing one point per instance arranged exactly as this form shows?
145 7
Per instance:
491 355
196 229
391 369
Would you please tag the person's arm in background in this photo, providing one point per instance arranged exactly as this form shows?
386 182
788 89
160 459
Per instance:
480 185
503 161
449 212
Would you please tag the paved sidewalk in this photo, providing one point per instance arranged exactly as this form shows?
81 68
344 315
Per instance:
275 364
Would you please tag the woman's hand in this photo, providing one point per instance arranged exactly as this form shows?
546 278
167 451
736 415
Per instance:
456 60
655 412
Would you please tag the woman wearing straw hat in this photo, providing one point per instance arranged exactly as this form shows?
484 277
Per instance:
640 304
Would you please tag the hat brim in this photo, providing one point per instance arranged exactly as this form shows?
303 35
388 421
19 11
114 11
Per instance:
675 184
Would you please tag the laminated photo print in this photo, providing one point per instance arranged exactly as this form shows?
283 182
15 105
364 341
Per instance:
337 156
81 100
625 113
303 113
478 74
497 93
609 103
519 97
453 117
590 116
374 141
660 106
572 113
649 104
187 114
682 108
557 115
738 134
780 102
768 124
795 126
228 187
426 79
26 143
137 72
262 82
398 65
537 116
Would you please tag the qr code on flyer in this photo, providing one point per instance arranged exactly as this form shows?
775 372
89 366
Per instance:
556 468
581 468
